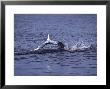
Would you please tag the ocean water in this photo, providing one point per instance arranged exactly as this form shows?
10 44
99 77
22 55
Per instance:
74 30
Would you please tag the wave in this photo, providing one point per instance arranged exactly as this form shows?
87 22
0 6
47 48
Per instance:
77 47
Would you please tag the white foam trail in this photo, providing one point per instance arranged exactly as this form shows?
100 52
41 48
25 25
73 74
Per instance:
77 46
66 46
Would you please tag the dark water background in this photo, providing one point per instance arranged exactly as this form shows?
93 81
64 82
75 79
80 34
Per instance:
31 30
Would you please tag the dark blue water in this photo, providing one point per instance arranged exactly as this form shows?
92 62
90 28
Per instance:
31 30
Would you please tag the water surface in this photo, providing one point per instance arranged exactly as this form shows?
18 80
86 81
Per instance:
31 30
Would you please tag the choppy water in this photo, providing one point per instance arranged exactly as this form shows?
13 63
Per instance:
31 30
